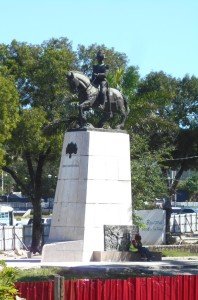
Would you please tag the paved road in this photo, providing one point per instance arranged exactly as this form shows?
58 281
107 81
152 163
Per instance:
164 267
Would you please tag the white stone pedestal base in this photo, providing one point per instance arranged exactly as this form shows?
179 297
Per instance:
93 190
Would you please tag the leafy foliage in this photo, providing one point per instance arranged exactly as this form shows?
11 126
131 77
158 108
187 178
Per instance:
148 182
166 105
191 186
8 110
7 279
39 73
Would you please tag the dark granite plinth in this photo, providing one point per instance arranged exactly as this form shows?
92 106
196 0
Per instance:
118 237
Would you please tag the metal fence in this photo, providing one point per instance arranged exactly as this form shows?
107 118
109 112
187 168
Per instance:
27 234
181 287
185 204
17 205
15 237
184 223
10 238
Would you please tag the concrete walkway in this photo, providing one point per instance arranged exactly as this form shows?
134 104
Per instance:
168 266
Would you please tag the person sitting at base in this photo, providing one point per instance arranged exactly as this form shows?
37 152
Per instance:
136 246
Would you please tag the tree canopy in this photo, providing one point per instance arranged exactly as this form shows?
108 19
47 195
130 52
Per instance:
8 110
39 73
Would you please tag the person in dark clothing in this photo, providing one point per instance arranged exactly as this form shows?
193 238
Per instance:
99 78
137 244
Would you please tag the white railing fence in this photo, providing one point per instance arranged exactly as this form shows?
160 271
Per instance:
19 237
184 223
185 204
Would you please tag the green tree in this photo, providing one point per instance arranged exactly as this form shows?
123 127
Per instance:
39 73
191 186
9 110
169 119
183 111
148 182
167 112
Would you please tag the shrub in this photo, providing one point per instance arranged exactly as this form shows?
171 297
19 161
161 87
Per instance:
7 280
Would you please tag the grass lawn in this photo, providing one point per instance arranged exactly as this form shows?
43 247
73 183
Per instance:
45 274
176 253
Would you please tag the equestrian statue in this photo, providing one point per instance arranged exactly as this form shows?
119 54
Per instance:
95 94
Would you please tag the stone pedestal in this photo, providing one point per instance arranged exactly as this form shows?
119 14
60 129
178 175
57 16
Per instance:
93 190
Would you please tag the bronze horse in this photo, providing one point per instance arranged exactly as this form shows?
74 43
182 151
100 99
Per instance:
88 96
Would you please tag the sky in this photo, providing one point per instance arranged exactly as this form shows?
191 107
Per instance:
156 35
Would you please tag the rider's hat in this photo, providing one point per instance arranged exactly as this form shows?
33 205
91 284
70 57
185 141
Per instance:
100 55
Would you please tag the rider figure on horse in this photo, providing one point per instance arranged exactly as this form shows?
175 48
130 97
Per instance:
99 78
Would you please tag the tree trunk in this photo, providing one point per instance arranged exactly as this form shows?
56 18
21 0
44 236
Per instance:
36 202
36 244
34 191
172 190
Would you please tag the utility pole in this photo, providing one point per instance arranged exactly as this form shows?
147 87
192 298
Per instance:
174 196
2 182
